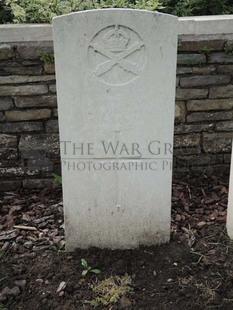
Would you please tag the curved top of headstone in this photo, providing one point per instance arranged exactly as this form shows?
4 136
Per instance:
116 41
112 11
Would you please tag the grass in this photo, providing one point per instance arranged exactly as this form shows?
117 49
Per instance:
110 290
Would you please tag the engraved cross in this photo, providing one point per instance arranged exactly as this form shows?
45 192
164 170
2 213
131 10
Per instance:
117 59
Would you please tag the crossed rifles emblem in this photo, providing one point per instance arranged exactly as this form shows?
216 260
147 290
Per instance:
114 59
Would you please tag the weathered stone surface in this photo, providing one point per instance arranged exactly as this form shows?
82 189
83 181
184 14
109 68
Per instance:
55 113
10 163
9 185
6 104
40 161
8 153
1 116
187 150
180 111
33 62
37 101
228 45
191 59
21 127
22 70
210 116
27 115
49 68
212 169
6 52
38 183
225 69
198 46
188 140
220 58
227 158
52 88
183 70
180 172
8 141
217 142
209 104
186 94
184 128
34 146
23 90
204 69
11 172
52 126
221 92
22 79
204 80
198 160
225 126
99 101
20 62
33 50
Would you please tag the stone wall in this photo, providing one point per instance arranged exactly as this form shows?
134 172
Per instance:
29 145
204 106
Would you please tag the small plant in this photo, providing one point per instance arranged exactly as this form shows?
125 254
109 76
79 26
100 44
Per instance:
2 307
93 303
87 269
47 57
57 177
206 50
228 48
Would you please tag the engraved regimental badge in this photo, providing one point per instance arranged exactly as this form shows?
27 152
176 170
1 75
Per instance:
116 55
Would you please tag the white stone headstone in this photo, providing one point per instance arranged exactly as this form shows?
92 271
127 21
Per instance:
116 72
230 201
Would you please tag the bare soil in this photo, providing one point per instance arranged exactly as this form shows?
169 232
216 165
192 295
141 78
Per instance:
194 271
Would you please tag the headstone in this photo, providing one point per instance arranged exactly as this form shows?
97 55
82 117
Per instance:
116 72
230 201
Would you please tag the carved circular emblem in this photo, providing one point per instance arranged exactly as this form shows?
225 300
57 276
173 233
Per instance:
116 55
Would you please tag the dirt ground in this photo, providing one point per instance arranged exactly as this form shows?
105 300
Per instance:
194 271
